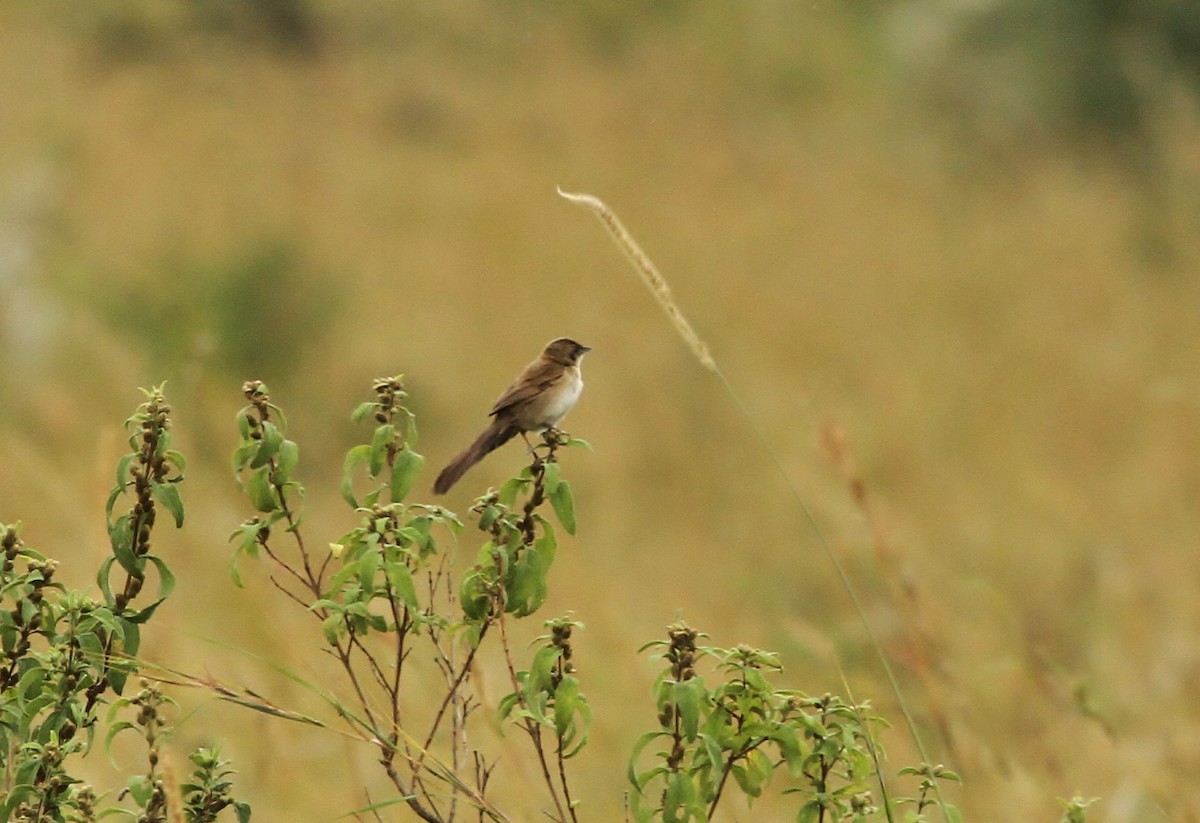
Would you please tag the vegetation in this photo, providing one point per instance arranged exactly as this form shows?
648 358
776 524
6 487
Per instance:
386 601
946 256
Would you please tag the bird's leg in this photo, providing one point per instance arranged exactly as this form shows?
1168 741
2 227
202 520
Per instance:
538 460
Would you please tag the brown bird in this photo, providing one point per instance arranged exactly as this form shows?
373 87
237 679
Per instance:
544 392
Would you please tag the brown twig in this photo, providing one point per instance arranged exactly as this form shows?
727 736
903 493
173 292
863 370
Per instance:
532 729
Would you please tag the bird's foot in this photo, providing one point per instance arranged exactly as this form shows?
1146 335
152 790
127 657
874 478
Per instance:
555 437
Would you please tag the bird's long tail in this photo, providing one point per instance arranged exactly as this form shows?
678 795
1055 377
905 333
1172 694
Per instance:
493 437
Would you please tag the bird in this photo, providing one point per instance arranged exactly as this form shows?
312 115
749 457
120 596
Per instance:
540 396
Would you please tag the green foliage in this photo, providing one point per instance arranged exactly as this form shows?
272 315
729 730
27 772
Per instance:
386 588
256 309
67 653
1075 809
263 462
381 591
390 447
746 728
208 792
1086 76
510 573
927 793
548 696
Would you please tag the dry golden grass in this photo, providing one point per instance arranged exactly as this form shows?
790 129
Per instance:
1018 388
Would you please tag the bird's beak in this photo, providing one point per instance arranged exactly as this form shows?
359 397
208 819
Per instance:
584 349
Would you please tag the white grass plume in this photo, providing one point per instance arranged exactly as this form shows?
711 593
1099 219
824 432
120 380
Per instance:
649 272
662 293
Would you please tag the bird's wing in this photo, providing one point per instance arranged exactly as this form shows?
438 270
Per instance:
537 377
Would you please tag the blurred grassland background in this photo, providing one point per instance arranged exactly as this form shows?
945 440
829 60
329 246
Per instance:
964 238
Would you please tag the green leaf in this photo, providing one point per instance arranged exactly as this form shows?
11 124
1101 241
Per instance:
91 642
747 779
168 495
527 585
129 637
247 536
354 458
564 505
712 750
166 582
384 436
688 697
143 614
810 812
411 427
789 746
332 626
577 735
112 501
473 595
30 686
401 581
535 707
362 410
566 699
507 703
262 494
547 544
643 741
550 479
22 791
129 641
278 412
541 669
756 679
679 798
241 456
113 730
422 527
268 447
123 470
121 536
761 767
488 516
102 580
243 423
177 459
405 470
368 564
141 789
349 568
289 458
509 490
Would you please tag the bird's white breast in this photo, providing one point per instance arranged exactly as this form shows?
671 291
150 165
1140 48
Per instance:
561 401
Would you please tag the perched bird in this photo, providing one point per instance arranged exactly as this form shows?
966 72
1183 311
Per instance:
544 392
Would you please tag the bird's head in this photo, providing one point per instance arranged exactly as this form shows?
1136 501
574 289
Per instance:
565 350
